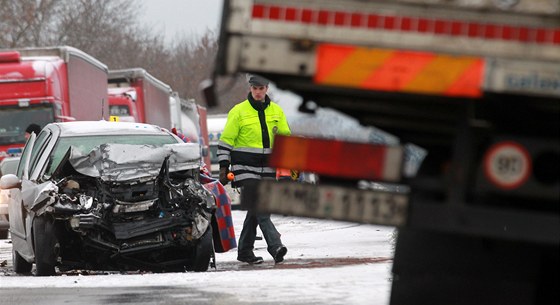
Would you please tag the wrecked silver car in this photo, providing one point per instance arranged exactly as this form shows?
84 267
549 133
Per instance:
109 196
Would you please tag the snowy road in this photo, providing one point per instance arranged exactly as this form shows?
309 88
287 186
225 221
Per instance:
328 262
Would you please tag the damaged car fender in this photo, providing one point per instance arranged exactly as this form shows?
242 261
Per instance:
38 197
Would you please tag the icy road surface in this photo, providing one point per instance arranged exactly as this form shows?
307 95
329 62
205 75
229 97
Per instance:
328 262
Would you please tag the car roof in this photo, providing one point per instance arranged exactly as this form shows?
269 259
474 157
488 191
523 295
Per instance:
84 128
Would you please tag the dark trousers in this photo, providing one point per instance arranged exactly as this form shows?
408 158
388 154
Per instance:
249 233
254 219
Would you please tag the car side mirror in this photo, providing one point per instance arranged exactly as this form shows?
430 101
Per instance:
9 181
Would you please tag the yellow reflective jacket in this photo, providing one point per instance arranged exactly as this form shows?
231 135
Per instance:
248 137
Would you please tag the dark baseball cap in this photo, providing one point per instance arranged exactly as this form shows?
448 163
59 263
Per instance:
255 80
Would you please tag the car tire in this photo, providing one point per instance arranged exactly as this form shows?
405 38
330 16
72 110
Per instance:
4 233
21 266
203 252
44 241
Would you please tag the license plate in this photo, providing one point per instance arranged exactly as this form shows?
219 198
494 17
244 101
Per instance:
333 202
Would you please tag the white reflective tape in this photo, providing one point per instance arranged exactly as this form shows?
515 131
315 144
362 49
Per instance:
246 176
238 167
253 150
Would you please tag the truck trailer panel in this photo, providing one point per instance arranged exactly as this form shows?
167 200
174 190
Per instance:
152 95
474 83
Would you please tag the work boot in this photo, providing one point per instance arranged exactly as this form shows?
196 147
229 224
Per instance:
251 260
279 254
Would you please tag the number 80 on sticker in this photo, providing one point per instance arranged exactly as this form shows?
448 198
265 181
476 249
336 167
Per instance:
507 165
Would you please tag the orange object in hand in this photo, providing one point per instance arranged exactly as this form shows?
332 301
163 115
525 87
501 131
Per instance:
230 176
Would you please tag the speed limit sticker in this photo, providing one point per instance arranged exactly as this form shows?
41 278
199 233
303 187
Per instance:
507 165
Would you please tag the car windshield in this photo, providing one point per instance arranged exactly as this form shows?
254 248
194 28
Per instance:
13 122
119 110
86 144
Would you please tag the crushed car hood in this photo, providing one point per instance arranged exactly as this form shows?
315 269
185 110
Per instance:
123 162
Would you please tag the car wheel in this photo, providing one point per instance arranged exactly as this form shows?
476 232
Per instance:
44 241
21 266
203 252
3 234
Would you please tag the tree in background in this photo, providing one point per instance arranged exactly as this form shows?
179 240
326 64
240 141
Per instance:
27 22
193 61
110 30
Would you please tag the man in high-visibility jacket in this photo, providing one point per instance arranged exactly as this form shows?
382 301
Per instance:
245 145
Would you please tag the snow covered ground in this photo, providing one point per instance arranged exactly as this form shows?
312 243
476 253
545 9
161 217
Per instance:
328 262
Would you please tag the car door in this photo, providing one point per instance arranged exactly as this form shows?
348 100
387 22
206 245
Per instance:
18 214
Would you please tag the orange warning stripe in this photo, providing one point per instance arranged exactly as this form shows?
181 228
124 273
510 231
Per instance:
404 71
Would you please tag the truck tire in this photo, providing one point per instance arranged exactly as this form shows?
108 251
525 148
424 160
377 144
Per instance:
450 268
21 266
44 241
203 252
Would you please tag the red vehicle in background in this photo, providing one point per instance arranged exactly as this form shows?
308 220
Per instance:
189 119
122 104
44 85
137 96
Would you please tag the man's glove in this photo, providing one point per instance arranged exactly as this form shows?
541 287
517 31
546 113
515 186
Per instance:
223 175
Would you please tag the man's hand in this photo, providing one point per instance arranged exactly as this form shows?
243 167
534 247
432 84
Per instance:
223 175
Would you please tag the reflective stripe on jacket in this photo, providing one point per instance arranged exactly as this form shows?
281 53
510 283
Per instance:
246 141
